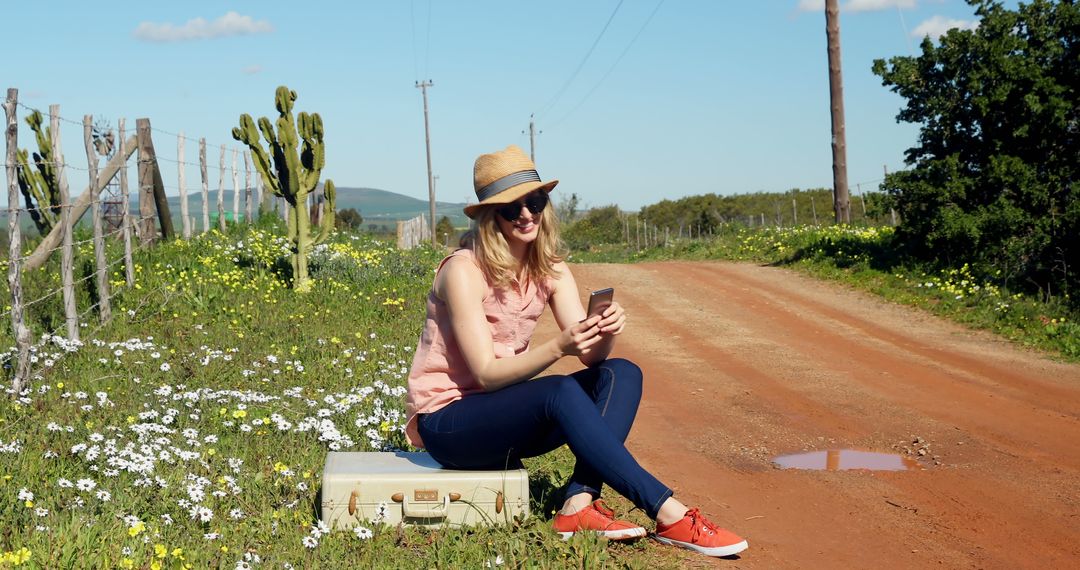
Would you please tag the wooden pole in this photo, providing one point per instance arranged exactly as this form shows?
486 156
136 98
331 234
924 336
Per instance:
836 99
146 228
205 186
101 268
794 213
151 187
221 191
235 186
259 193
532 141
813 209
126 148
67 252
180 167
247 187
892 211
21 333
422 86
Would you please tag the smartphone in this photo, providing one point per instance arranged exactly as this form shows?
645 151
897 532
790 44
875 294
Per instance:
599 301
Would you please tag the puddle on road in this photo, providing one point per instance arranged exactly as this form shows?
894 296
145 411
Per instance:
847 459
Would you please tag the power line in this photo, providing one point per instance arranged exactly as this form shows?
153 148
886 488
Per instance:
412 26
613 66
427 48
562 90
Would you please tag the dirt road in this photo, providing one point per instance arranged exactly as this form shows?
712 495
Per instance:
746 363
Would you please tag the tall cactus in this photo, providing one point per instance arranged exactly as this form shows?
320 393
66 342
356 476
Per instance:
292 175
38 182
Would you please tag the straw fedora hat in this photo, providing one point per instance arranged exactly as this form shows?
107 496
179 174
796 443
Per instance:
504 176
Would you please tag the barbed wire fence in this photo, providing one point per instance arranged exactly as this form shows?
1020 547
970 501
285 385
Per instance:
639 232
153 222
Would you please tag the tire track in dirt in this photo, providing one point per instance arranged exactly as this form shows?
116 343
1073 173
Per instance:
1038 426
744 363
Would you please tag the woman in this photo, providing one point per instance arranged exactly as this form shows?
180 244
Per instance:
472 399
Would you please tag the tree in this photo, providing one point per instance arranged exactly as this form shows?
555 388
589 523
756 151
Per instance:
992 178
444 230
567 207
349 218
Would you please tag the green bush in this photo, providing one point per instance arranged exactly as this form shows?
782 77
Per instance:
993 176
598 226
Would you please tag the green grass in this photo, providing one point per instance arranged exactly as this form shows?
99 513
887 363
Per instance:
867 258
192 429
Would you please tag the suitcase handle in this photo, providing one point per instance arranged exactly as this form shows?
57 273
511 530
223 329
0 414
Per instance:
427 510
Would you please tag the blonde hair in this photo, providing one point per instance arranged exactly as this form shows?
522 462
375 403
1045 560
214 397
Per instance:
492 253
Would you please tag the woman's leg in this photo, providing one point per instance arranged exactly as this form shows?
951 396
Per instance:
614 386
493 429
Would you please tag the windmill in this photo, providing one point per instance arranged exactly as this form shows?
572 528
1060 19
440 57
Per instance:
113 207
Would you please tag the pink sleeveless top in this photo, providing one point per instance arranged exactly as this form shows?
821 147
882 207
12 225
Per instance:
439 373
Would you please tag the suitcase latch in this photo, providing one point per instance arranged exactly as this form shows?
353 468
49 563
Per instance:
426 495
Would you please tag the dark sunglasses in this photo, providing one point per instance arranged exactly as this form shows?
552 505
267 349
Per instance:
535 202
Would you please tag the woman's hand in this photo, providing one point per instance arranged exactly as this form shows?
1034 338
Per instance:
578 339
613 320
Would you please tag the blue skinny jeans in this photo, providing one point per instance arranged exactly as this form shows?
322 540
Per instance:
590 410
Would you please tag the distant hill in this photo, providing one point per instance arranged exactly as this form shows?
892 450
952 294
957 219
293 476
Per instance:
379 207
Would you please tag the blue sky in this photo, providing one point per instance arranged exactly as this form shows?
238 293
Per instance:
716 96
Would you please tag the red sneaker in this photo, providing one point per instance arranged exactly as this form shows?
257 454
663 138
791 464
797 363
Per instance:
596 518
696 532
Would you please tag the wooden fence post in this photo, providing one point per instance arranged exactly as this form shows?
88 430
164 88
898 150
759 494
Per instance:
67 252
247 186
149 179
259 193
100 267
129 267
235 187
205 186
221 191
21 366
180 166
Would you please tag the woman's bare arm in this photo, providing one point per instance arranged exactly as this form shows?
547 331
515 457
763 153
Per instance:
461 286
568 310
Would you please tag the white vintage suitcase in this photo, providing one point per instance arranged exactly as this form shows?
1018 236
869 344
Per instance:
416 490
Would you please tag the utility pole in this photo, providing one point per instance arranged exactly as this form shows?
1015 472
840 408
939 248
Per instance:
892 210
841 199
422 86
532 139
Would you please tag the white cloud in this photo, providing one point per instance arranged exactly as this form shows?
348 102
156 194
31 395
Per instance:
252 69
875 5
231 24
935 27
856 5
